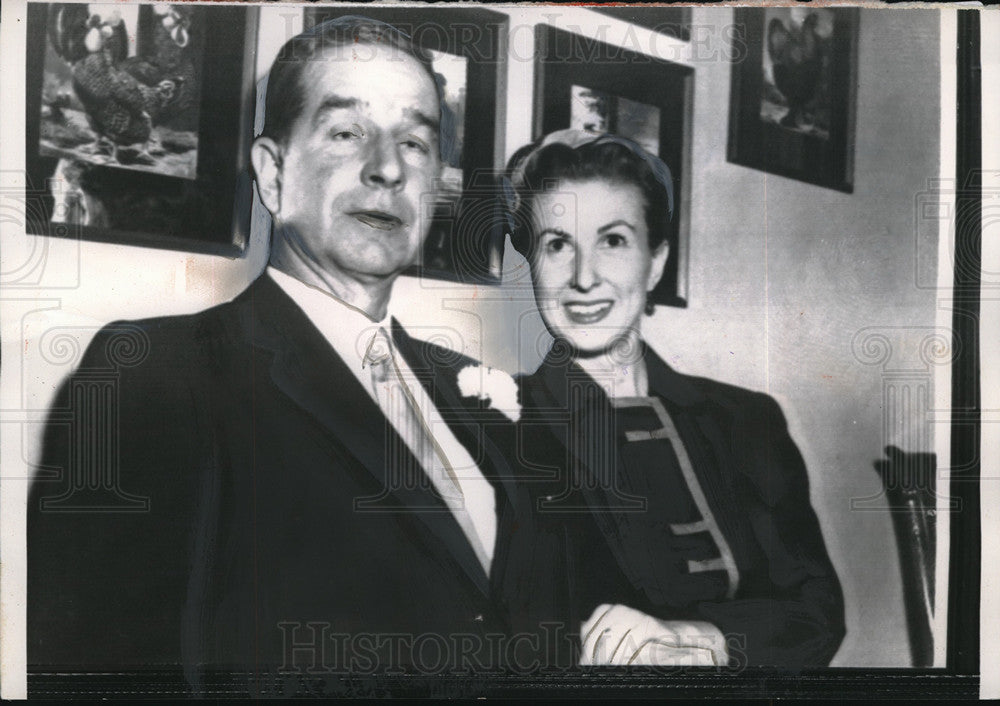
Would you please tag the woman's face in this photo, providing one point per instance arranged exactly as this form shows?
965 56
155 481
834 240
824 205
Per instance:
592 265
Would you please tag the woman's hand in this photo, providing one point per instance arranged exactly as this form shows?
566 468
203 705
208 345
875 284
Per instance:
617 635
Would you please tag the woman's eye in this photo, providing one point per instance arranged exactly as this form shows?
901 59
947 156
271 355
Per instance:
556 245
615 240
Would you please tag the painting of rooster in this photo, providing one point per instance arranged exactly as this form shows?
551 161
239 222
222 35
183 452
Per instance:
793 93
796 64
138 122
121 86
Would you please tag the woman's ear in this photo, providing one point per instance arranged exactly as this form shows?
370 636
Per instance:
657 266
265 155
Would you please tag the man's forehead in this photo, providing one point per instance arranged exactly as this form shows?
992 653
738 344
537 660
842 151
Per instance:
368 73
362 58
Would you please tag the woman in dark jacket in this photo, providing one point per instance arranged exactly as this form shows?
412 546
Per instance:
670 518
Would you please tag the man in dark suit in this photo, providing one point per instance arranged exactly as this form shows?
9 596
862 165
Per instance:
287 480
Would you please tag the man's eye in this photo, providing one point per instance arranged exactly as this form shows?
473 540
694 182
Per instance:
342 135
416 144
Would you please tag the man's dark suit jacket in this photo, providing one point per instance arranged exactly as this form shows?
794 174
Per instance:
785 607
264 525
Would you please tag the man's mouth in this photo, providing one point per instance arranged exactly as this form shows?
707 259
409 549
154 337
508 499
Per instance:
587 312
379 220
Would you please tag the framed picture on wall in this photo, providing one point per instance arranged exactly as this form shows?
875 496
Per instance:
792 103
138 124
586 84
466 238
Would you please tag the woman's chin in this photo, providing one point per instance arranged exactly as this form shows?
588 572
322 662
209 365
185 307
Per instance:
590 343
619 346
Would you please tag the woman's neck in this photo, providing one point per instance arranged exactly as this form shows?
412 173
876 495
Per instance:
620 370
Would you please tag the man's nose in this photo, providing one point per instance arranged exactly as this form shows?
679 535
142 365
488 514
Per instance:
384 166
585 274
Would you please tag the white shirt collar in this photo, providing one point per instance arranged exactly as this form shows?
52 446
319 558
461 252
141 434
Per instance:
348 329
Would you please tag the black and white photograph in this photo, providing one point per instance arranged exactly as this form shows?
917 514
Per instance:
797 69
598 112
137 127
792 108
497 351
122 88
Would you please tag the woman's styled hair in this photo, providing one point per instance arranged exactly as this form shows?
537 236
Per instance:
572 155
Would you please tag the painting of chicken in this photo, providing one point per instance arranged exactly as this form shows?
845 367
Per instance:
171 36
137 123
106 106
797 69
793 93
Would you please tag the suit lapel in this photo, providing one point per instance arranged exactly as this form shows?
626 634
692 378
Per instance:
669 384
471 427
305 368
310 373
437 370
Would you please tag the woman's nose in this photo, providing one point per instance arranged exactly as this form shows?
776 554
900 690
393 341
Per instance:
585 274
384 166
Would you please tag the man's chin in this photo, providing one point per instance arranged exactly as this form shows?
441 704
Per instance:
380 268
379 260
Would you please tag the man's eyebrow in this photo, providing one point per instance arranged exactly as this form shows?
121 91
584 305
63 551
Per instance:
615 224
423 118
333 102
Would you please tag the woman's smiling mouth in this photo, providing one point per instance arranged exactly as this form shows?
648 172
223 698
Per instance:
587 312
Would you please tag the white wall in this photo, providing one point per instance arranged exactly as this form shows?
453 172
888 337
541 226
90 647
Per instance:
782 277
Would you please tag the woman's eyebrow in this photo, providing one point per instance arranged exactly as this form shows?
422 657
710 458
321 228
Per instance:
615 224
556 231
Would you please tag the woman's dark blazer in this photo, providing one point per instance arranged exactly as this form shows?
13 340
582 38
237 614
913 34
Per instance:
704 516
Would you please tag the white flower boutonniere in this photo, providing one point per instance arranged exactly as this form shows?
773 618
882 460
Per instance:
492 384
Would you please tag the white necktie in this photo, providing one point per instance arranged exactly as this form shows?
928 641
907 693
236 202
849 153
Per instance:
399 404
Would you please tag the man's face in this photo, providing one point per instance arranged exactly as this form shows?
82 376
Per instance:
358 162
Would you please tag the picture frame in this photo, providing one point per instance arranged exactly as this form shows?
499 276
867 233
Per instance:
649 102
466 239
671 21
810 135
170 201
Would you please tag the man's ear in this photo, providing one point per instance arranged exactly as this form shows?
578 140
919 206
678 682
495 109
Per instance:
265 154
659 263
